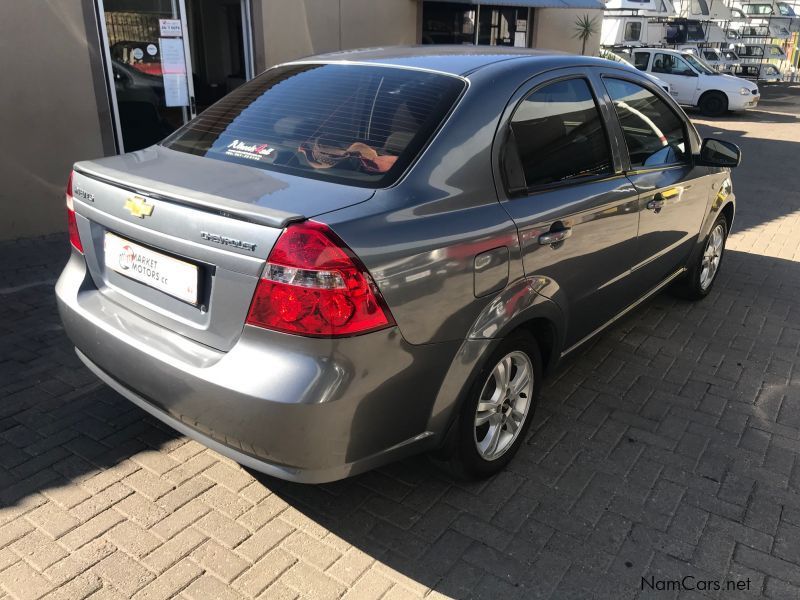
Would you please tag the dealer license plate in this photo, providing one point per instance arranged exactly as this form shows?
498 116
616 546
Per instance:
175 277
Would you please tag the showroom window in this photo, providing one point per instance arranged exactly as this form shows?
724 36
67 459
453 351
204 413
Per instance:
462 23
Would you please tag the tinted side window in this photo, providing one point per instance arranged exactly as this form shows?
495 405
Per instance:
641 60
559 134
654 134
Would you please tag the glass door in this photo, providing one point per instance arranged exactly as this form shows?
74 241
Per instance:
149 67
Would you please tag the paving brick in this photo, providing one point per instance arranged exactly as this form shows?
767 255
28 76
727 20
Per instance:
232 477
184 493
371 586
141 511
80 561
13 531
350 566
100 502
279 591
208 587
52 520
226 502
787 543
311 582
110 476
775 588
23 582
148 484
96 526
173 550
263 540
124 573
175 522
771 565
310 549
155 461
220 561
81 587
223 529
171 582
38 550
262 574
133 539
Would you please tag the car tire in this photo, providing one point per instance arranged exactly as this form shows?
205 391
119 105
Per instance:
703 272
505 413
713 104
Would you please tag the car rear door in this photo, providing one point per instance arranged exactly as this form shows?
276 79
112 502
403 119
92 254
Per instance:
560 177
673 193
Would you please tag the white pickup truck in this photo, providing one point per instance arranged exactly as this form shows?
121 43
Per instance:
695 83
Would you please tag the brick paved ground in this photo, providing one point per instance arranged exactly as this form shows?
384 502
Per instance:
667 448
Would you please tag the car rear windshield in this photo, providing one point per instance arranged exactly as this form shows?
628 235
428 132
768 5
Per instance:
355 124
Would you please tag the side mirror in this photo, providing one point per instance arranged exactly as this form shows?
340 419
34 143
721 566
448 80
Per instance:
718 153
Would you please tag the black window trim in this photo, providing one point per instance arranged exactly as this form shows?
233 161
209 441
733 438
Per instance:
653 89
513 193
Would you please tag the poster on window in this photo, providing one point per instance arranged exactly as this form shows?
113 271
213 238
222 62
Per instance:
170 27
173 68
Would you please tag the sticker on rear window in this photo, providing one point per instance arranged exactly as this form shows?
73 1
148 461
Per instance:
257 152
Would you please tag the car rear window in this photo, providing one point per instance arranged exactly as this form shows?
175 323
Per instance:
355 124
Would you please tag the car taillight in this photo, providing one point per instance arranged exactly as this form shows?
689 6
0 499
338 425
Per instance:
72 222
314 285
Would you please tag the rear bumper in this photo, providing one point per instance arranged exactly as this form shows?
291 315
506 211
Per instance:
305 410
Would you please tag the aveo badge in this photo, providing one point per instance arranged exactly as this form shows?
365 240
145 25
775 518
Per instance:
138 207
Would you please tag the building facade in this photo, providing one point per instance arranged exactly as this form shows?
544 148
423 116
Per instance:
98 77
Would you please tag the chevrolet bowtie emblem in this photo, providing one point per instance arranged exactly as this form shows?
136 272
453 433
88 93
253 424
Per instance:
138 207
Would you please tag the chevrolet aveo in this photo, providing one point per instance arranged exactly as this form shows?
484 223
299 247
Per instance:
364 255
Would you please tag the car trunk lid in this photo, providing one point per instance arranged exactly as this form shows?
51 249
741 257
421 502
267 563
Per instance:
179 217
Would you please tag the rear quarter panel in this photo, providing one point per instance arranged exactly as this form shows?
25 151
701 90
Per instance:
419 238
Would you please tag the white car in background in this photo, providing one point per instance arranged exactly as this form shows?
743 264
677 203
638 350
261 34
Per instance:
724 61
695 83
609 55
766 72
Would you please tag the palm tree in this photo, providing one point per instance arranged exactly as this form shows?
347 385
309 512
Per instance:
585 28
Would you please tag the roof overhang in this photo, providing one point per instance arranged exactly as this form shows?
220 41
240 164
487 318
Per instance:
586 4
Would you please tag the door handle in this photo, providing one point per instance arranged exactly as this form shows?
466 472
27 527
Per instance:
656 204
554 237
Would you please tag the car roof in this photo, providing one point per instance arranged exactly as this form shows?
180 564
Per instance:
453 60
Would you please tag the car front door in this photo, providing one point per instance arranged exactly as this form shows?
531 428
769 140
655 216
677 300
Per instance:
677 72
674 194
560 178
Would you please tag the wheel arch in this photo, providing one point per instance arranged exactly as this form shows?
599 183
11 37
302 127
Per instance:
729 211
538 316
707 93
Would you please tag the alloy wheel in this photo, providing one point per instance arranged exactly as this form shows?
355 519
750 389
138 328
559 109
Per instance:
712 256
503 405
